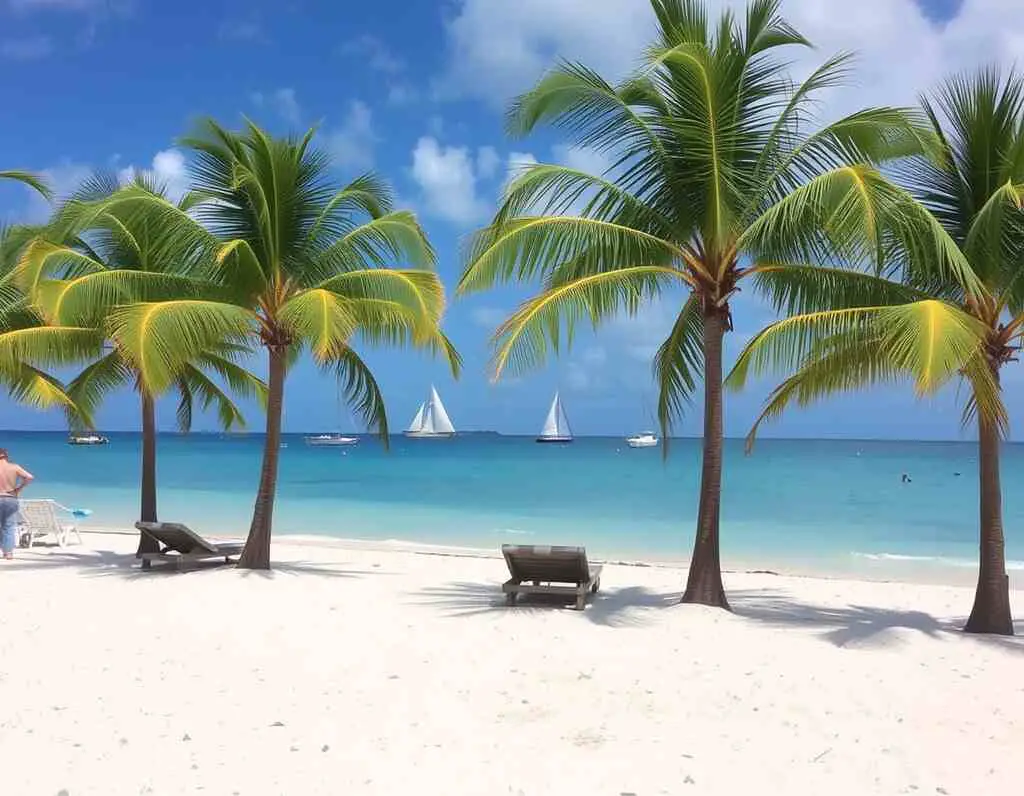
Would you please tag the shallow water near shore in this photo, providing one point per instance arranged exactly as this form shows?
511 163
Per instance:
816 505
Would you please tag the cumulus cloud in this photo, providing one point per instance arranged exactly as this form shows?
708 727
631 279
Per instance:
447 179
496 49
352 144
168 170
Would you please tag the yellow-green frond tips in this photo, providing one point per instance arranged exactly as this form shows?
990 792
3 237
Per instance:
522 341
160 338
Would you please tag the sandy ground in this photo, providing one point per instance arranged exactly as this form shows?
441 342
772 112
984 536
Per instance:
354 670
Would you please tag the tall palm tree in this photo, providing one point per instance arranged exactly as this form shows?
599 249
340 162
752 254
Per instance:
975 188
303 266
714 183
99 256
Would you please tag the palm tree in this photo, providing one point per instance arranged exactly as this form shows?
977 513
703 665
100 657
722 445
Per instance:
975 188
713 183
303 266
98 256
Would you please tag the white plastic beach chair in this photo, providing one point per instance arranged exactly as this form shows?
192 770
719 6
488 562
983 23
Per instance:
39 518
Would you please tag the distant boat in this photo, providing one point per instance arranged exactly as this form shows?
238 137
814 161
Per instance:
645 439
556 426
88 438
431 420
330 440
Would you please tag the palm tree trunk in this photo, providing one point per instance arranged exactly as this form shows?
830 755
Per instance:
991 611
256 554
704 584
147 508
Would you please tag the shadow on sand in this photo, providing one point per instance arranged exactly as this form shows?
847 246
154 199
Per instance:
106 563
612 608
853 625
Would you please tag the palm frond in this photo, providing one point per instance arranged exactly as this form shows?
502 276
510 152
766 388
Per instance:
33 181
678 366
531 247
522 341
158 339
360 390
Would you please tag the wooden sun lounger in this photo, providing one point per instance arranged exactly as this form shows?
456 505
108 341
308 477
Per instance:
180 544
537 570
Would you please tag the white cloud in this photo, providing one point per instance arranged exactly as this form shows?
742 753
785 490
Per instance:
487 162
63 179
516 162
168 170
496 49
447 179
282 101
352 145
29 48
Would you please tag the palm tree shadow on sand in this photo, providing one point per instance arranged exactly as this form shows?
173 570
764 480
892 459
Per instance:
628 606
106 563
854 625
844 626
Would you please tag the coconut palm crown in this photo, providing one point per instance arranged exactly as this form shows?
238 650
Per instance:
304 266
974 187
720 176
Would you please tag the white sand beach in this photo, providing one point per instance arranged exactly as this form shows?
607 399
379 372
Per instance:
355 670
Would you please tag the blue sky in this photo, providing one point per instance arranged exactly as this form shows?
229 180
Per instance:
417 95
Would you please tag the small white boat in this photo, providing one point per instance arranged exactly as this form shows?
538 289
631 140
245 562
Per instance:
646 439
91 438
331 440
556 425
431 420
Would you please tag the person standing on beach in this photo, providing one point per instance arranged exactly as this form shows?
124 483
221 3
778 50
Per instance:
13 479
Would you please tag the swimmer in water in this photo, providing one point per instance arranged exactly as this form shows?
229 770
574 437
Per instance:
905 479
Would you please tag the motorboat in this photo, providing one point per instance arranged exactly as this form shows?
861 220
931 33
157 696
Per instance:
87 438
645 439
330 440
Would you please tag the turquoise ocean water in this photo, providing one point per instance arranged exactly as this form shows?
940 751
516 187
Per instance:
833 504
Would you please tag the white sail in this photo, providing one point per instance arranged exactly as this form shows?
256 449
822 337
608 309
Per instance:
556 425
417 422
431 420
439 420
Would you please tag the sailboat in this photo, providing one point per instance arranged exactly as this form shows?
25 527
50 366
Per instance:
431 420
556 426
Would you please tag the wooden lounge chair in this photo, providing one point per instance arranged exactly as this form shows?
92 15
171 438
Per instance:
181 544
537 570
39 518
